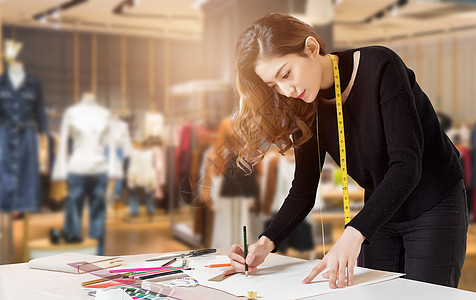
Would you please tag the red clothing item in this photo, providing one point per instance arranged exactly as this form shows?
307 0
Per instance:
465 155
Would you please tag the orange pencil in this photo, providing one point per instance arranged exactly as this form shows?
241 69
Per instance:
219 265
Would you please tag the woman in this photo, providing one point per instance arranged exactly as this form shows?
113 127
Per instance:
415 217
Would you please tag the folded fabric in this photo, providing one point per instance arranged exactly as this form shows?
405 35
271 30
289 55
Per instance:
60 262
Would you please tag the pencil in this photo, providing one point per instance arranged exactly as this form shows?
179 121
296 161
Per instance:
162 274
219 265
245 246
112 277
169 262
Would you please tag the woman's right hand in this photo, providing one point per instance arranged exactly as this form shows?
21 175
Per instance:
257 252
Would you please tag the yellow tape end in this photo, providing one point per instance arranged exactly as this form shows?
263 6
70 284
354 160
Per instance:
252 295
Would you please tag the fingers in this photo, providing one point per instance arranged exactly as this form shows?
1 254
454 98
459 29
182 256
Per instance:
332 277
341 275
315 271
350 273
325 275
236 253
229 271
238 262
250 258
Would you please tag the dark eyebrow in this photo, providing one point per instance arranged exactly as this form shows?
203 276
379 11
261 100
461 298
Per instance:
277 73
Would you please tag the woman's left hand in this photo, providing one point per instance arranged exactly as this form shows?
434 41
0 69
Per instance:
342 256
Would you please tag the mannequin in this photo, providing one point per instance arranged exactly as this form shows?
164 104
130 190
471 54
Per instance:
16 72
22 111
86 171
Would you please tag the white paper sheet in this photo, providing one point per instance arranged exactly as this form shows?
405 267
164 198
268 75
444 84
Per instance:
278 281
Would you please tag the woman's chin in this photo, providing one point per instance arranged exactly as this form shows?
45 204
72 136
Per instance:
306 100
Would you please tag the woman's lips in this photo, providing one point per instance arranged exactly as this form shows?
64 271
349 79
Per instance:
302 94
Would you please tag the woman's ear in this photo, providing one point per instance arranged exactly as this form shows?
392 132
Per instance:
311 46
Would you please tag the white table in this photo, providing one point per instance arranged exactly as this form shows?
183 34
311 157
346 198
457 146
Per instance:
18 282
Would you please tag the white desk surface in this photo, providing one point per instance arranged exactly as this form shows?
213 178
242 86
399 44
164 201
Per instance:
18 282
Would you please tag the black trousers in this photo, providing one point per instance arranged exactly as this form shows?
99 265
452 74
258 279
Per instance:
430 248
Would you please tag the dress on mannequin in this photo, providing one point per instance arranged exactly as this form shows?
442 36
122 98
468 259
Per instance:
21 110
89 126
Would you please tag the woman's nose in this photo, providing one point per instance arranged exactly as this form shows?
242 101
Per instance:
287 90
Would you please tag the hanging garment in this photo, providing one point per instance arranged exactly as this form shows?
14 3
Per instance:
141 176
465 159
121 140
236 183
153 125
21 110
183 153
230 215
160 169
141 171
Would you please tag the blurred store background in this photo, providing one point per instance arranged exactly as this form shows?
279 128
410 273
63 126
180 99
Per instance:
127 105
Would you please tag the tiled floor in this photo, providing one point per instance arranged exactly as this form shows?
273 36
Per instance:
125 236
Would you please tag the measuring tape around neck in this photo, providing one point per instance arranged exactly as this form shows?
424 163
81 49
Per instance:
340 129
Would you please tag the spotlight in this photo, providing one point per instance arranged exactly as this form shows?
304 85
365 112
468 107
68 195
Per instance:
42 19
394 11
56 14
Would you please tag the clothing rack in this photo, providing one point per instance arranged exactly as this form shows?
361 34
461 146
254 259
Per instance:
188 101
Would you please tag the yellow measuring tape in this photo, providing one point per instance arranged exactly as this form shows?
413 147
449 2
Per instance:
340 128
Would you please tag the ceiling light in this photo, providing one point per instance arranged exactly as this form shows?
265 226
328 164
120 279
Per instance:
56 14
394 11
197 4
42 19
136 2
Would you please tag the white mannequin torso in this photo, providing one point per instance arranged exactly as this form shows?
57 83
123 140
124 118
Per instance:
88 124
17 74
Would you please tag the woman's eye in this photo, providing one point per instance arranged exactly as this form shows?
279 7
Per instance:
286 75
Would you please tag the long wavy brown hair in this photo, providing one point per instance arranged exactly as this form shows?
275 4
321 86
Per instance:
264 116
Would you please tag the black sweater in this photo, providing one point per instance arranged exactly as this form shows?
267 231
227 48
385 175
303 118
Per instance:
395 147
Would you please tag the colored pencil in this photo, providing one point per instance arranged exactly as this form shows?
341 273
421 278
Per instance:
218 265
139 269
